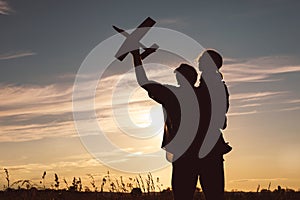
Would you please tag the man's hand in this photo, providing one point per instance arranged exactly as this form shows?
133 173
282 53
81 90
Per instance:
136 58
135 52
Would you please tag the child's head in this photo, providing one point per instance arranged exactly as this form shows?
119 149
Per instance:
208 58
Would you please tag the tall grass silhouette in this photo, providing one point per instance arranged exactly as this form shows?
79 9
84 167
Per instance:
109 187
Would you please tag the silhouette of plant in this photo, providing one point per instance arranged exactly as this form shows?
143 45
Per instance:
43 179
150 183
103 183
56 181
112 187
67 185
26 189
76 185
87 189
117 185
258 187
7 176
269 186
142 183
158 184
130 185
123 186
80 184
27 183
138 185
93 182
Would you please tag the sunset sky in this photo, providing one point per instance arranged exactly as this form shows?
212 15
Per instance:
44 43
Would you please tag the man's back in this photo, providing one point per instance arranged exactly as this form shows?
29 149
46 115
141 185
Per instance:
166 95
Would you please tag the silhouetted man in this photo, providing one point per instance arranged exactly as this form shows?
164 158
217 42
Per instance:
184 131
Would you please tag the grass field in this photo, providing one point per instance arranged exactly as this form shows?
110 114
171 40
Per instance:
117 189
48 194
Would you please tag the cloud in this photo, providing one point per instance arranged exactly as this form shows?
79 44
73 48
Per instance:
258 180
250 96
35 112
31 112
260 78
171 22
241 113
293 101
82 160
20 133
291 108
258 69
71 168
250 105
5 9
253 103
9 56
246 103
258 102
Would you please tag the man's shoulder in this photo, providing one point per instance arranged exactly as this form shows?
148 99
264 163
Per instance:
158 86
170 86
165 87
161 93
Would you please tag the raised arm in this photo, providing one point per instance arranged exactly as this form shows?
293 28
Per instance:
140 73
156 91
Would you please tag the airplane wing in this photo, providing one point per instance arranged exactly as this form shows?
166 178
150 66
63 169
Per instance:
149 22
142 29
133 40
123 32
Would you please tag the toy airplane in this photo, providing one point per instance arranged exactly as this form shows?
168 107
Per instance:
132 41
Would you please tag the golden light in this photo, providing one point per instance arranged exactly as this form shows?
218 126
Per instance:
143 111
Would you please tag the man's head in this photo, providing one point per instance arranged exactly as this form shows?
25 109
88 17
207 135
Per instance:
186 73
210 57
